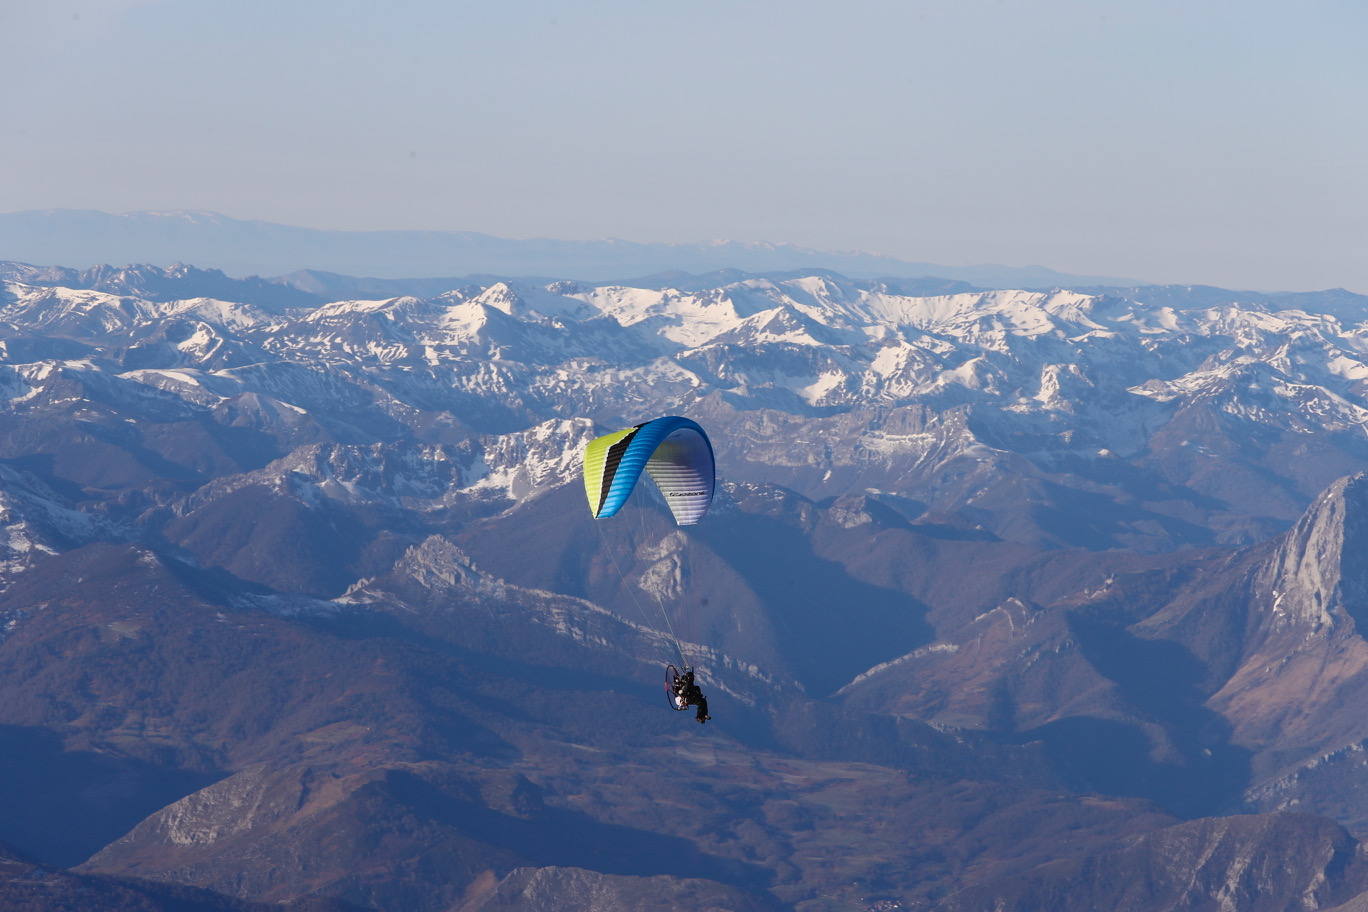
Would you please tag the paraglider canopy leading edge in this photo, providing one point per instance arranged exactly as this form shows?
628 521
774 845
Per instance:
676 454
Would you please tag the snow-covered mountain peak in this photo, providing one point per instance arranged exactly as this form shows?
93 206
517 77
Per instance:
780 324
686 319
403 307
68 309
226 314
526 463
788 367
501 296
464 318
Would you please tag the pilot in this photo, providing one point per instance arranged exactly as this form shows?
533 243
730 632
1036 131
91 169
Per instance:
690 695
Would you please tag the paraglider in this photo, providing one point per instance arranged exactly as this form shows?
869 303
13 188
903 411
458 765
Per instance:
677 456
683 692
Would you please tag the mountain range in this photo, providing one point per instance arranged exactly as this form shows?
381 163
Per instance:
1009 599
240 247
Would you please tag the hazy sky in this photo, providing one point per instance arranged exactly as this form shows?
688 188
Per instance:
1195 141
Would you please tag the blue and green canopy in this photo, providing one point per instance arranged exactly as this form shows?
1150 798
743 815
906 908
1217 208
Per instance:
676 454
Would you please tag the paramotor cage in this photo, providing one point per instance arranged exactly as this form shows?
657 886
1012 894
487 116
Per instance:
672 689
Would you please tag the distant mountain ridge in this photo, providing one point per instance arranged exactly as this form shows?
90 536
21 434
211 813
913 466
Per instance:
242 247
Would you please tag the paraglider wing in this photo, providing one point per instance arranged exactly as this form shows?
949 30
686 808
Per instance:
673 451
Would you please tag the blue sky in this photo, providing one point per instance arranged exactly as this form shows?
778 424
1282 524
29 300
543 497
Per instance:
1216 142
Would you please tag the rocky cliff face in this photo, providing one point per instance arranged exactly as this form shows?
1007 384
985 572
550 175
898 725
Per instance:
1317 575
1297 692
